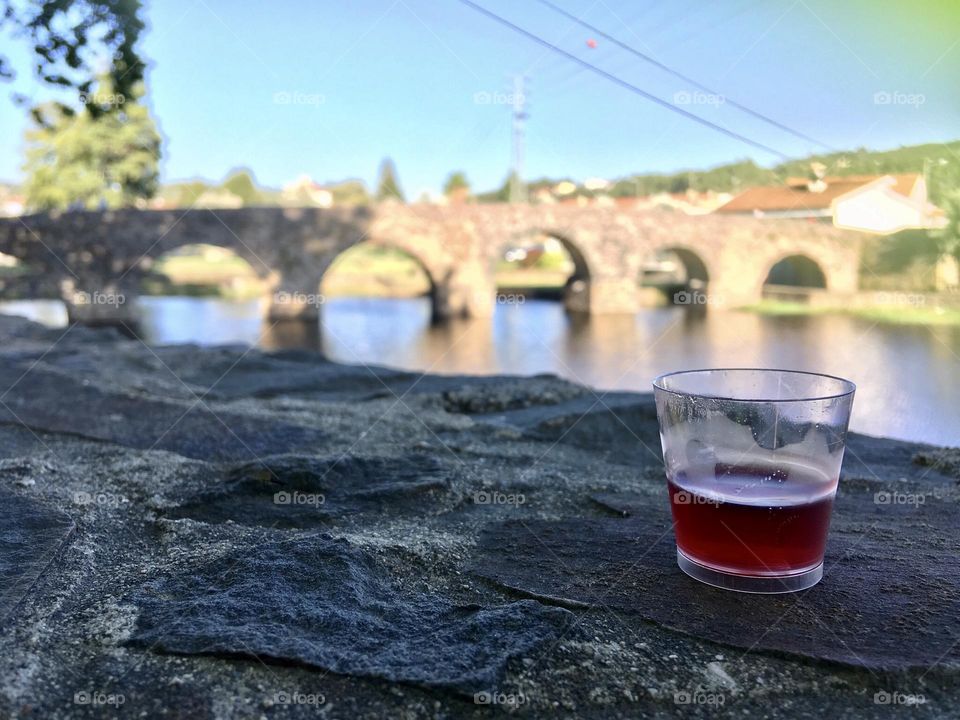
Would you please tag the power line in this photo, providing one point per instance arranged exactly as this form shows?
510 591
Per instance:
675 43
672 14
623 83
681 76
635 19
520 115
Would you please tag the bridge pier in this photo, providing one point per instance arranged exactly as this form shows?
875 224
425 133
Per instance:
605 296
99 304
731 291
470 291
576 295
298 299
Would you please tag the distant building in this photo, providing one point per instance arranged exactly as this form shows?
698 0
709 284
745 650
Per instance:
543 196
689 202
217 199
158 202
12 203
880 204
595 184
304 191
12 206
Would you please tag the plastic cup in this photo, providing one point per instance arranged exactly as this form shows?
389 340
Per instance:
752 459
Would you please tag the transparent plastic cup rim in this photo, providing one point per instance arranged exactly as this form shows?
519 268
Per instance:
845 387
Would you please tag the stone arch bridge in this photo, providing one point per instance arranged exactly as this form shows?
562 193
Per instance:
82 255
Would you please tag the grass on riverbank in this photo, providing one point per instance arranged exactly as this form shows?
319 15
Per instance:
365 271
896 315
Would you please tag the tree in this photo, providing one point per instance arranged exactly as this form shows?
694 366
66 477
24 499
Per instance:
350 192
82 160
679 183
456 182
388 188
73 37
240 182
183 194
457 188
948 237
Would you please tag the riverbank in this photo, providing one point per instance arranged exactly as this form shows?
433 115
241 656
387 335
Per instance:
204 531
895 314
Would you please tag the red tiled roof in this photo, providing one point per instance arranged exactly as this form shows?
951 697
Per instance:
781 198
903 182
785 198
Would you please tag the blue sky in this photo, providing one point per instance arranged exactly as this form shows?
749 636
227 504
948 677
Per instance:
371 78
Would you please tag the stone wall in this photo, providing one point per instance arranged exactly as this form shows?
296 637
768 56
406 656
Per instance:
212 533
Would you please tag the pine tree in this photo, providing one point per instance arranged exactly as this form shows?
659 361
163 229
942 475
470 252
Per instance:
388 187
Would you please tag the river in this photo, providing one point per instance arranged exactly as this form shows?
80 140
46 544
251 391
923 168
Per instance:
908 377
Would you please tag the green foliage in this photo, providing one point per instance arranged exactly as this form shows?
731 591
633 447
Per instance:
388 187
904 261
939 162
456 181
554 261
501 194
241 183
350 192
70 38
82 160
725 178
184 194
949 237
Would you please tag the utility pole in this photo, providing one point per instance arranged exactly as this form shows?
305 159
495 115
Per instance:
518 189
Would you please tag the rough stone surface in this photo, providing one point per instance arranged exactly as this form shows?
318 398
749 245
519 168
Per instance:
303 491
40 398
877 607
30 536
458 514
324 603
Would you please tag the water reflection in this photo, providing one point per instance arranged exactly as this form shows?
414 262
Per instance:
908 377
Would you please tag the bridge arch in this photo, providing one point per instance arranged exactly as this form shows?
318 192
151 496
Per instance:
428 276
198 268
796 270
259 265
576 288
688 267
581 267
680 273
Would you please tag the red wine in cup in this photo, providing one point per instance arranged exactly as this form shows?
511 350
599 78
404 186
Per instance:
753 520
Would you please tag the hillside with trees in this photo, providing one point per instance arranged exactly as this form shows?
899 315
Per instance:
940 162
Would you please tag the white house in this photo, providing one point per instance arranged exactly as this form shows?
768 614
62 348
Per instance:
887 205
